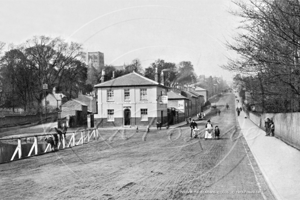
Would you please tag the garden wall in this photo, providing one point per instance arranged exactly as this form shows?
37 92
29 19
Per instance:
287 126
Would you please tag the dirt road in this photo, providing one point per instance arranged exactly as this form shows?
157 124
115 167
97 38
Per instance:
161 164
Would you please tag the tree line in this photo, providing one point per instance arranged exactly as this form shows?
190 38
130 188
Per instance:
25 68
268 47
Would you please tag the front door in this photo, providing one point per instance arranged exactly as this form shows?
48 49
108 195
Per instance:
127 116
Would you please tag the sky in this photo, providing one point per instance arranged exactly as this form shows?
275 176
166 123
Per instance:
172 30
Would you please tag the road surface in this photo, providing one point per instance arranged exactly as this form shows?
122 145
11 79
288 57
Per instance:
161 164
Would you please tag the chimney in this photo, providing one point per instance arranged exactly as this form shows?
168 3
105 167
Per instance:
162 80
102 76
156 74
113 75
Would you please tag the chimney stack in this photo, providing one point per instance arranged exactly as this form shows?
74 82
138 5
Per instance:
162 80
102 76
113 75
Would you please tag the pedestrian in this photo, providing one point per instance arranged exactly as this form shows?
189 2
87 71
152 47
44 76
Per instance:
208 130
50 141
55 140
227 106
272 128
267 126
193 126
158 125
238 111
219 112
62 132
217 132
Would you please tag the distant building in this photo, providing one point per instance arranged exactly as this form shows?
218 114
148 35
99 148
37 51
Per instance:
76 111
179 104
202 92
53 100
88 100
96 60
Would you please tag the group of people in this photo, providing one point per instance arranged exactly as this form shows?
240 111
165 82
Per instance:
210 132
200 115
57 137
270 127
239 110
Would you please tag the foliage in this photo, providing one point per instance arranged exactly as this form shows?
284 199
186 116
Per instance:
268 52
42 60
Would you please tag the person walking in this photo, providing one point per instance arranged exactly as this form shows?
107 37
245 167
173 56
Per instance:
208 131
217 132
267 126
55 140
61 132
272 128
238 111
193 126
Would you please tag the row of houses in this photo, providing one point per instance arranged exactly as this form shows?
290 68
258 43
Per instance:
132 100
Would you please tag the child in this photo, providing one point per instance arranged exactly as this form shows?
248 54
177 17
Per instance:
217 132
50 141
193 126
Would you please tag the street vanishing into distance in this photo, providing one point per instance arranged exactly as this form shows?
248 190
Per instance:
161 164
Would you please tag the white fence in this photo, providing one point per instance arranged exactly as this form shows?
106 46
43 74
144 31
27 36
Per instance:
76 138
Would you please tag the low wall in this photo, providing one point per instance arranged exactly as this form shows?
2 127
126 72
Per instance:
255 119
16 120
287 126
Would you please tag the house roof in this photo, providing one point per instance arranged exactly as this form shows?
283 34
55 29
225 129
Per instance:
195 93
189 93
132 79
72 102
199 88
174 95
87 100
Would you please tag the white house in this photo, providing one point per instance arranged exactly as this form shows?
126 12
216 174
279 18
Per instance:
53 100
202 92
131 100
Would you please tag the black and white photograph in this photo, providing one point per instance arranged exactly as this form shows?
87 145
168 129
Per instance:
149 99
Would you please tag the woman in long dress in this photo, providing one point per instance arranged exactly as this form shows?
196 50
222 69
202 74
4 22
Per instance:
208 130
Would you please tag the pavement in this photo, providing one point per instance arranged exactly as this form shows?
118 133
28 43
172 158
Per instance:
278 161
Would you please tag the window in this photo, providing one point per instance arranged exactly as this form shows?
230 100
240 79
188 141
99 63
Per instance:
126 95
144 115
143 94
110 95
110 115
